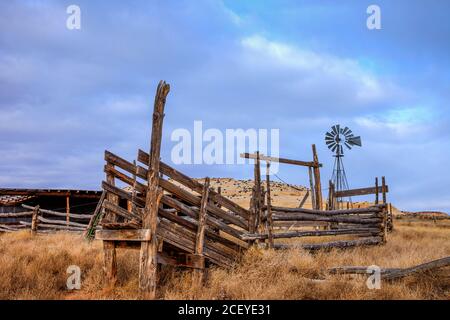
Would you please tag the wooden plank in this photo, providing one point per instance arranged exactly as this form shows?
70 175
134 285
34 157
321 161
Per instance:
357 211
196 186
359 192
333 244
121 225
358 270
200 237
174 203
68 224
198 276
185 240
53 226
95 219
172 188
192 225
16 215
121 193
121 211
313 233
432 265
305 197
281 160
60 214
124 235
195 200
50 192
310 217
149 249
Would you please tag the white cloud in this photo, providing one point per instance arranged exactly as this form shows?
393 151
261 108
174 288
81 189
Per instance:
368 87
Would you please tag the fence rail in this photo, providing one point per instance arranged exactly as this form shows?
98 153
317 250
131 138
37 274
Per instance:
38 223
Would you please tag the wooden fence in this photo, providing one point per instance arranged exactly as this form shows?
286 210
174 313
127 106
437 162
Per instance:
333 197
43 221
368 225
176 220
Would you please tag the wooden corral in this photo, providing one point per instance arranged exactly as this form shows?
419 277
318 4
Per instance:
52 209
176 220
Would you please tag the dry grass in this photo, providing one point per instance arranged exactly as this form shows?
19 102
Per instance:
35 268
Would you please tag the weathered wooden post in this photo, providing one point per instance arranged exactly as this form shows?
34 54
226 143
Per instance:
311 187
376 192
67 210
109 247
149 249
130 203
383 189
257 196
199 273
391 218
330 196
318 187
35 220
219 191
269 221
384 224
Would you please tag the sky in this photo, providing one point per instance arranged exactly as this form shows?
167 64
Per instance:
297 66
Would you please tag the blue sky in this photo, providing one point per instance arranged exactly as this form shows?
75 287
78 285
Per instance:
300 66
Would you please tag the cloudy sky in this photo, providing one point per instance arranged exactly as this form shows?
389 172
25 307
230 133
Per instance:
297 66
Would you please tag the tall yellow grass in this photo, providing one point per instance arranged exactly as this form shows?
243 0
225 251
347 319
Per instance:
34 267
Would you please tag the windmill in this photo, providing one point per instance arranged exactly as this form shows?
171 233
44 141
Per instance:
336 139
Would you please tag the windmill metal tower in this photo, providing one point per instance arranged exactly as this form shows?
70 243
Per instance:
336 139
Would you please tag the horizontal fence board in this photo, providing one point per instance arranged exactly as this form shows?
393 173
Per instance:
195 200
196 186
310 217
61 222
359 192
124 235
314 233
281 160
61 214
358 211
331 245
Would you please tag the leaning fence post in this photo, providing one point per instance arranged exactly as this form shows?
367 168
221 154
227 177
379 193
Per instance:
199 274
